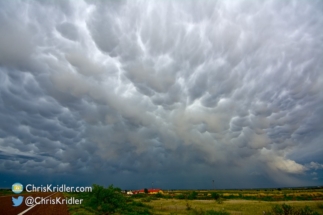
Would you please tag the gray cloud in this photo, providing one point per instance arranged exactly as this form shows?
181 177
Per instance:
162 91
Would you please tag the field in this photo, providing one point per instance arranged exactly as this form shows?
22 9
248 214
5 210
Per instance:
245 207
256 194
237 201
246 202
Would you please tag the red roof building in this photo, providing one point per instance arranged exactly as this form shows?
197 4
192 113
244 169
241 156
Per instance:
150 191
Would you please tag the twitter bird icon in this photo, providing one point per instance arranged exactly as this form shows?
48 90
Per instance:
17 201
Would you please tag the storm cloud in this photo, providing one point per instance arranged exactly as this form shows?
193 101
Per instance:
177 93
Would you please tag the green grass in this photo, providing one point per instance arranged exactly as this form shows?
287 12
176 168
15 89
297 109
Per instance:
202 202
253 194
78 209
4 192
245 207
108 200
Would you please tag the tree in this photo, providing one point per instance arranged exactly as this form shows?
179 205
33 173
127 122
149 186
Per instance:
106 199
146 190
215 195
193 195
110 200
159 195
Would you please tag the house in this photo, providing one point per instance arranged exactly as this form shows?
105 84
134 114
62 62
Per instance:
129 192
150 191
154 191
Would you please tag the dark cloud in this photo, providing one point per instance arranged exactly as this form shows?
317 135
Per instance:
179 93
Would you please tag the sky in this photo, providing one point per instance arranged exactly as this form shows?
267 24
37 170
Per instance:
167 94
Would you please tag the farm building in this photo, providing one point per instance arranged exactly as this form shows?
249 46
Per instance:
150 191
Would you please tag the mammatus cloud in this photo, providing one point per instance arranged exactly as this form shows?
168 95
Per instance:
163 91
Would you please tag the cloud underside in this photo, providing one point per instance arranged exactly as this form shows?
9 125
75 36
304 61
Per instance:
170 88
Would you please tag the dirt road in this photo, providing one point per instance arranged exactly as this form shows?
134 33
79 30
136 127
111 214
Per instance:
6 207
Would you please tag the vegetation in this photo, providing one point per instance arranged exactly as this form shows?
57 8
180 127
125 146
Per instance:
4 192
160 195
188 206
200 211
192 195
285 209
219 200
107 201
208 212
245 207
215 195
201 202
278 194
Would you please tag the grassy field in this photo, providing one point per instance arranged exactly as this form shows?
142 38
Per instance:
246 202
245 207
257 194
